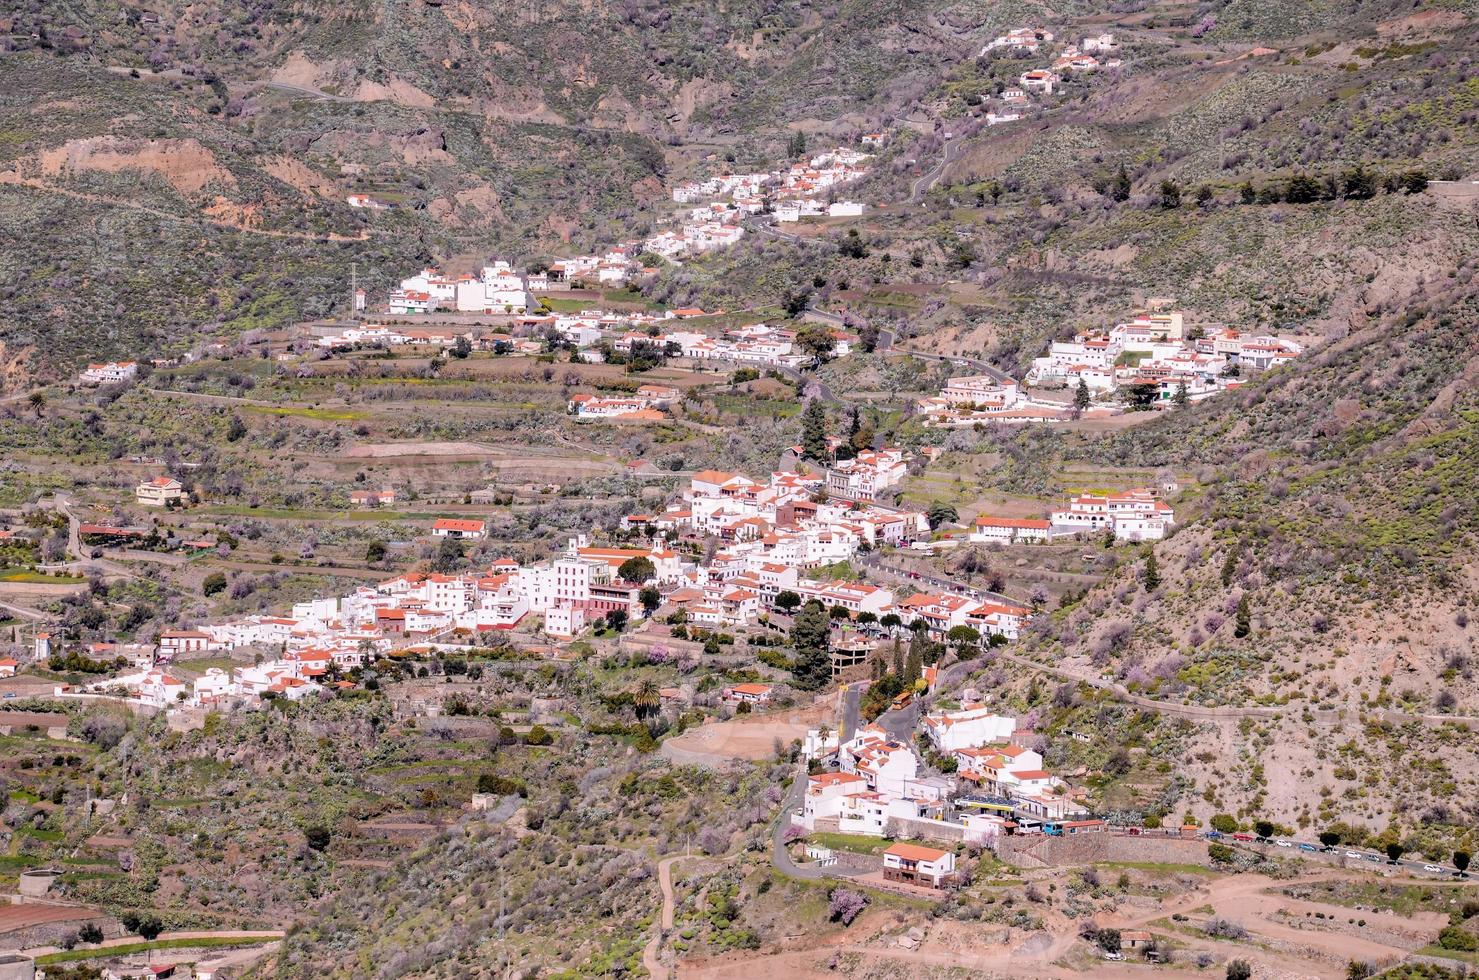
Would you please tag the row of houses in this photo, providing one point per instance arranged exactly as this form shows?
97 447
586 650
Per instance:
1090 53
1155 349
1135 515
1150 360
875 784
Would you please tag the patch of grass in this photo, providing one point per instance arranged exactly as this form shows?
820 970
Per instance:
127 949
323 414
1433 949
40 578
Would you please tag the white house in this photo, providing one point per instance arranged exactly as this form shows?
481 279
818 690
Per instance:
162 491
969 728
919 865
451 527
112 372
1010 530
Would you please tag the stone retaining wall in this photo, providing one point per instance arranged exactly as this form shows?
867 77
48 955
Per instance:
1054 852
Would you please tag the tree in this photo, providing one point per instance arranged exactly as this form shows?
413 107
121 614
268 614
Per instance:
37 401
1108 940
1246 193
449 555
914 667
461 347
637 570
1415 181
1081 397
839 611
796 146
941 513
814 430
375 552
1242 619
1395 850
539 735
1170 195
1152 571
816 340
1263 828
1229 567
787 601
1119 186
963 637
318 837
214 582
235 429
1239 970
1461 861
650 599
890 621
796 303
811 637
1302 189
1181 397
1358 182
845 904
647 698
1329 838
616 620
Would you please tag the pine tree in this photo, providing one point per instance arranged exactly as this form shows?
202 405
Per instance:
811 635
1081 396
898 659
814 430
1243 620
1181 396
1229 567
914 669
1152 571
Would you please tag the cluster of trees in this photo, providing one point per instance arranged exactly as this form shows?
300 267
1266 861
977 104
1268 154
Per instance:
1357 182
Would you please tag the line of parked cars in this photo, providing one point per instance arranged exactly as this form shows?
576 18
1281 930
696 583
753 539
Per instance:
1313 848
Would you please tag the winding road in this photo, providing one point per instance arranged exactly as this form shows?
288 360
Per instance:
925 183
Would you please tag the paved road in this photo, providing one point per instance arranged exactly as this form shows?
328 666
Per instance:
1343 857
780 858
984 367
875 562
922 186
852 698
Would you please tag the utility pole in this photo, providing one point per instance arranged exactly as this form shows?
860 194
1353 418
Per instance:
353 291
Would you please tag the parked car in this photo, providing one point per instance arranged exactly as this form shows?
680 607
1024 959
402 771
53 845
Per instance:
1353 854
1284 843
1213 835
1432 869
1242 837
1308 847
1375 857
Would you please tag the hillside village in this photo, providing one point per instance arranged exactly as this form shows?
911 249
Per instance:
739 490
1151 362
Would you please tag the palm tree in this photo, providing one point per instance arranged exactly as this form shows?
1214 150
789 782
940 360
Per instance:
647 698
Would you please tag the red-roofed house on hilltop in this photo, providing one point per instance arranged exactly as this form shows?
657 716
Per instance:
162 491
453 527
1010 530
919 865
